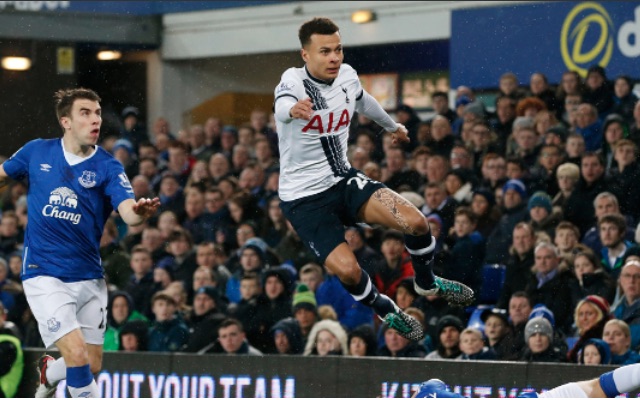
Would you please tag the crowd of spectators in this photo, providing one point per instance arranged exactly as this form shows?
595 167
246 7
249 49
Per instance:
544 187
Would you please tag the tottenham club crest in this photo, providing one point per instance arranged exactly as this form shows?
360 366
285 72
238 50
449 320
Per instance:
88 179
53 325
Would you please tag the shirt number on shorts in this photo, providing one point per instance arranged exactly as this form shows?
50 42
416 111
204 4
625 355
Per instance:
361 180
102 318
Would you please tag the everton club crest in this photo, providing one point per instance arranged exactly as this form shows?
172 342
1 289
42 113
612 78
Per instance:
88 179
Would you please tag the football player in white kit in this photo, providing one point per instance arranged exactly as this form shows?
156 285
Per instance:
610 384
319 190
74 185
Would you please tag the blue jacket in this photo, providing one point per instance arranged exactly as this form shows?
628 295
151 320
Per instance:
350 312
592 135
168 335
630 357
631 315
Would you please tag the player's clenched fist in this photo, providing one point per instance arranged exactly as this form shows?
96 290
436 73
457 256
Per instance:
303 109
400 135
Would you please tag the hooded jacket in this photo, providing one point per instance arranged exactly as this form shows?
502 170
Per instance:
112 333
336 330
291 329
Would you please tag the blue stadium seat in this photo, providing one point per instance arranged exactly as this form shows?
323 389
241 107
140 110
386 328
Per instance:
474 320
571 341
493 276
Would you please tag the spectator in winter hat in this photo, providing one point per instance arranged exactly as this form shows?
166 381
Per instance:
515 210
539 338
327 337
133 336
362 341
133 130
595 352
448 332
305 309
543 219
287 336
591 314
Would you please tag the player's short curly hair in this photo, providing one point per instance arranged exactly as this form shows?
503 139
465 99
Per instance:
64 99
320 26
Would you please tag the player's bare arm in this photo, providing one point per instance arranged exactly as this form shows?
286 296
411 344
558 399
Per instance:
303 109
136 212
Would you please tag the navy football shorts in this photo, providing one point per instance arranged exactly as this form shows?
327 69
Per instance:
320 219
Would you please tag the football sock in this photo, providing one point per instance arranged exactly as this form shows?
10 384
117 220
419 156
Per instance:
421 248
366 293
81 383
56 371
621 380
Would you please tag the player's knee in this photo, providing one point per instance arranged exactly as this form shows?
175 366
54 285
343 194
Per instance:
78 356
418 224
349 273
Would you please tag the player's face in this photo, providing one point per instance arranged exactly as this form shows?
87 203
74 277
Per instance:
591 355
323 56
84 122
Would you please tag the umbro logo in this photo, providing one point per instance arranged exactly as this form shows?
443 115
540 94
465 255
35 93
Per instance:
45 167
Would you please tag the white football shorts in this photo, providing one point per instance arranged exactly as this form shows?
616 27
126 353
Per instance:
61 307
569 391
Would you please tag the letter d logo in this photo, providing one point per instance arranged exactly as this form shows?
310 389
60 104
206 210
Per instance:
628 29
577 45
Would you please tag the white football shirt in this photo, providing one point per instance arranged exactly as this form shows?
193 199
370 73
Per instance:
313 154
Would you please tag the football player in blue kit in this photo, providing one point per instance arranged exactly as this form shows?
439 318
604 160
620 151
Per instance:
321 193
610 384
74 185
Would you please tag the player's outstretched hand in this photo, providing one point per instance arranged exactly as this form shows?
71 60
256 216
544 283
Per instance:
146 208
303 109
400 135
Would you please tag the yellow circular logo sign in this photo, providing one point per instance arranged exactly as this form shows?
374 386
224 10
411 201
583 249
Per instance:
578 55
